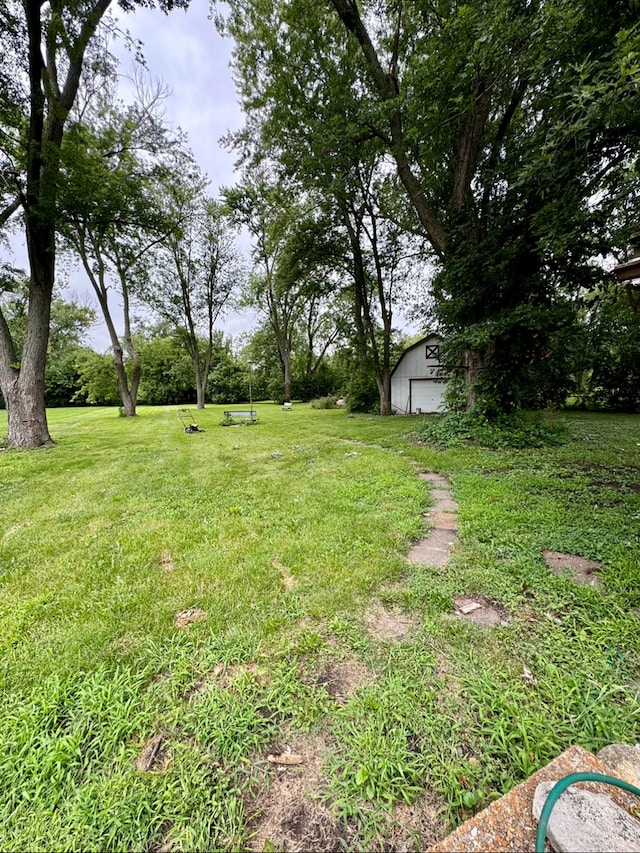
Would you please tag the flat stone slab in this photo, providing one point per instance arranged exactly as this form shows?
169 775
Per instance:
435 479
582 820
444 505
434 550
467 606
480 611
443 520
441 494
508 825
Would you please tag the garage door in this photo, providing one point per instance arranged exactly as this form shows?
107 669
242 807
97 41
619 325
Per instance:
427 394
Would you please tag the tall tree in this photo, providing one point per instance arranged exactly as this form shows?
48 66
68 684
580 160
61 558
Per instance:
46 44
196 272
512 126
295 70
113 210
489 111
278 287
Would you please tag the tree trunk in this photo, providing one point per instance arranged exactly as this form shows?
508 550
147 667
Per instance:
200 390
473 363
286 377
200 395
127 395
128 402
23 387
26 414
385 392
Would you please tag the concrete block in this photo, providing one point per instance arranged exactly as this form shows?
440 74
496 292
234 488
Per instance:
588 822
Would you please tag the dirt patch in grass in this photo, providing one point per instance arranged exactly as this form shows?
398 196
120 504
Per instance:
394 588
480 610
164 843
286 578
224 675
578 569
602 476
341 678
418 826
288 814
166 561
390 625
154 757
187 617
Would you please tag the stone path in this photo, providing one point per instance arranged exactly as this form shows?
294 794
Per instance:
435 549
509 824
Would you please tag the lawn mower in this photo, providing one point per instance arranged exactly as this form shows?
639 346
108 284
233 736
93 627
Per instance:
191 425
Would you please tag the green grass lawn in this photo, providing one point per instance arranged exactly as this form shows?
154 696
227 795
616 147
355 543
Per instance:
284 534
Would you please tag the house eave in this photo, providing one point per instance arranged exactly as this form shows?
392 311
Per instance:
628 270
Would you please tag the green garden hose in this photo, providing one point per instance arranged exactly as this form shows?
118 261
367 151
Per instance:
558 789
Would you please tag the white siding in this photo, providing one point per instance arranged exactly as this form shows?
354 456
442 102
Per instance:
417 381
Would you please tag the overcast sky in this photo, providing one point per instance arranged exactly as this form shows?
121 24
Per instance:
185 51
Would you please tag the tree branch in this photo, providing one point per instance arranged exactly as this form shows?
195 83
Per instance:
469 145
9 210
387 87
514 103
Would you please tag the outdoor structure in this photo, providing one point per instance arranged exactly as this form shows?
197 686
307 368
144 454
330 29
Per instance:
630 270
418 381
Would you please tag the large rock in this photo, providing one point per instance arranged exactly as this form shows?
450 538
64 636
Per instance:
588 822
623 761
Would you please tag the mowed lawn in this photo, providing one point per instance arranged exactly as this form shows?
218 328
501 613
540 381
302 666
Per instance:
175 608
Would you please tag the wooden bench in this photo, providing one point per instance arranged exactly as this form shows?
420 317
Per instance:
287 407
247 415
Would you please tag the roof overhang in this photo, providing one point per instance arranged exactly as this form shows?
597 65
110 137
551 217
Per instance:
628 270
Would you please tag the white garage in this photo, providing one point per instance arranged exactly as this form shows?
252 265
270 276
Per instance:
418 381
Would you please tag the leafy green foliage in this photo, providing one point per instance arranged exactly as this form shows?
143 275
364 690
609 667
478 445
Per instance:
517 430
362 392
613 353
166 376
324 403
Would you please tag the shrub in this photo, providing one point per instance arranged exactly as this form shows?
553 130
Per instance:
517 430
324 403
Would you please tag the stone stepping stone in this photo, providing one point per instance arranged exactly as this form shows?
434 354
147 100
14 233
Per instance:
434 550
443 500
436 480
623 761
441 494
582 820
443 520
445 506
